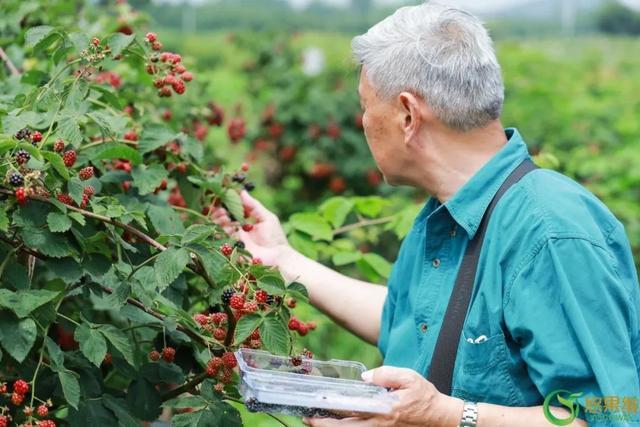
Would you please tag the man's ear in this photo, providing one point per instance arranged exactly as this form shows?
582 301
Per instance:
411 111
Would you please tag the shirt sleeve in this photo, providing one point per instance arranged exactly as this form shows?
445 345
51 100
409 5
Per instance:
575 321
388 309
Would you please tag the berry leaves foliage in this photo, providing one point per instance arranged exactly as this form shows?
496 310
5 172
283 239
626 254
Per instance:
118 294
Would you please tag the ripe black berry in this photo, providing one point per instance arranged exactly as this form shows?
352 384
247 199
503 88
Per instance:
239 244
16 179
23 133
226 295
239 178
22 157
249 186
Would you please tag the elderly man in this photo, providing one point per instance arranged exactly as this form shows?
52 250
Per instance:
550 303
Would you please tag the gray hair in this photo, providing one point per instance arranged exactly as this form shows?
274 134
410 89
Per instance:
441 53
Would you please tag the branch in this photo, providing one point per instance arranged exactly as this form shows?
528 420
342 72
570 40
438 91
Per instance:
188 386
362 223
12 68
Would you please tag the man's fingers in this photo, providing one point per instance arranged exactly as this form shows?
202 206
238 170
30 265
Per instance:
390 376
253 206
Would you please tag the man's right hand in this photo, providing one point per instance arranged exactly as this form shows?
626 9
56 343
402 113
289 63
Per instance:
266 240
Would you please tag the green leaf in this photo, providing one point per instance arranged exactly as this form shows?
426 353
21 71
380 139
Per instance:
119 340
312 224
58 164
23 302
275 334
303 243
91 412
298 290
122 411
370 206
169 265
36 34
55 354
344 258
46 242
70 388
144 400
118 42
4 219
184 402
147 179
17 336
232 201
58 222
165 220
92 344
119 151
168 373
272 283
196 233
246 325
336 210
213 261
70 131
153 136
379 264
218 414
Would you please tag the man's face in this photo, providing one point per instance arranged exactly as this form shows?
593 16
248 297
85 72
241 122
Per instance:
383 131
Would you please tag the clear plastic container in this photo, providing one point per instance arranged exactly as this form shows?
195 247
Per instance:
333 388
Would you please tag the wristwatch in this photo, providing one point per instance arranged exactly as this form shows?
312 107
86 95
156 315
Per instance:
469 415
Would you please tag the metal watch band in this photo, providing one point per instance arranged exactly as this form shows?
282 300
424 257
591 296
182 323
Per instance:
469 415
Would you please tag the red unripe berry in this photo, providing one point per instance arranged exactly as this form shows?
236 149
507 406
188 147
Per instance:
216 362
20 387
211 371
108 359
164 92
154 355
167 115
151 37
220 333
261 296
95 41
187 76
17 398
156 45
36 136
42 411
303 329
226 249
179 87
247 227
229 360
69 158
168 354
291 302
3 388
65 198
179 68
131 136
219 387
4 421
251 307
86 173
126 185
245 167
312 324
89 190
219 318
294 324
256 261
58 146
237 301
181 167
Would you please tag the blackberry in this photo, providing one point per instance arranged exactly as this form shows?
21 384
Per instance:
22 157
23 133
239 244
249 186
239 178
226 295
270 299
16 179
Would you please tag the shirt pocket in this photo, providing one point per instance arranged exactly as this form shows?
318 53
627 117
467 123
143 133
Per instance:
484 375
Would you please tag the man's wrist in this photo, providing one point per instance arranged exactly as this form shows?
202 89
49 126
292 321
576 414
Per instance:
452 410
288 262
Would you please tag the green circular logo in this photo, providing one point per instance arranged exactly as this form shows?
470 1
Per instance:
568 401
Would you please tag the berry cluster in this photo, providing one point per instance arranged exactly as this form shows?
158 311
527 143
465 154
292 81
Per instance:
297 325
26 134
236 130
214 323
168 68
222 368
95 52
88 191
22 157
168 354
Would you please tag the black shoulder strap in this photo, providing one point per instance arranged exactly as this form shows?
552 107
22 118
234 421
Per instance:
444 355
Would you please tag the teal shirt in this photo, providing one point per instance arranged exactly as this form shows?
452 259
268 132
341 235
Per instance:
556 293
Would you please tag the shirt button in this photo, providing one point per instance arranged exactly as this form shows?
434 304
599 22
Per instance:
423 327
435 263
452 233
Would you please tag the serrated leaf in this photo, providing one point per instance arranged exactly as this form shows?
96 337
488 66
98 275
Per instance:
272 283
119 151
312 224
148 178
196 233
119 340
58 222
46 242
165 220
119 407
55 354
336 209
17 336
69 130
70 388
169 265
76 189
4 219
35 35
58 164
144 400
118 42
275 334
168 373
379 264
232 201
153 136
298 290
184 402
370 206
245 326
344 258
92 344
79 40
23 302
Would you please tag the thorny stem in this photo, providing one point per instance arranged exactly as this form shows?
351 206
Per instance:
362 223
12 68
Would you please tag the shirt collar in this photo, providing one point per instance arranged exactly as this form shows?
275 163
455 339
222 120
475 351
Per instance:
469 203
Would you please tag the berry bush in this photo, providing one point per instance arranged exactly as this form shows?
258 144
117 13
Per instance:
119 297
